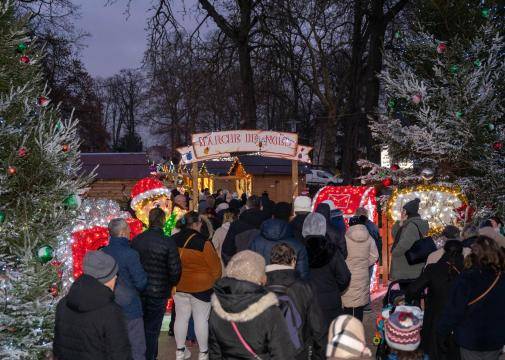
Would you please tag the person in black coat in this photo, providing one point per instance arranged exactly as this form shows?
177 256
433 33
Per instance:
475 312
249 220
302 207
89 324
240 298
329 274
282 278
438 279
336 239
160 258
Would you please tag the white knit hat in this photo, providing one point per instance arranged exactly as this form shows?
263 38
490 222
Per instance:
302 204
246 265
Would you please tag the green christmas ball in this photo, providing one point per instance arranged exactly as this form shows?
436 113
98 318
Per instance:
477 63
459 114
45 253
485 12
454 69
392 103
2 217
398 34
72 201
21 48
59 125
490 127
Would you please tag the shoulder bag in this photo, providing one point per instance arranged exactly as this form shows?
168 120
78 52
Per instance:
483 295
421 249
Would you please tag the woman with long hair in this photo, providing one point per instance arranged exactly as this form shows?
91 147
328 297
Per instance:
201 268
438 279
475 312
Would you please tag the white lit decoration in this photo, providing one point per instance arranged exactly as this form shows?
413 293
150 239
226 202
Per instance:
438 205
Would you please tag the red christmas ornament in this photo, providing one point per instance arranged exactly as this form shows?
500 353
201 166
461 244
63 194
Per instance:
441 48
395 167
54 290
22 152
24 59
387 182
417 98
11 170
43 101
497 145
65 147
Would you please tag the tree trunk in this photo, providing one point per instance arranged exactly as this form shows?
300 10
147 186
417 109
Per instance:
374 66
330 140
247 94
350 149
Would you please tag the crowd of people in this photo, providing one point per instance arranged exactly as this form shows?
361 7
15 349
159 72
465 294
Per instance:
254 279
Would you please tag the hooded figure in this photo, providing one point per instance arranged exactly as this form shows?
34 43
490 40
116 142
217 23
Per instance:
336 239
329 275
240 300
362 253
406 232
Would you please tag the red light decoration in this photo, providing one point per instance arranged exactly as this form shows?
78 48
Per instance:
93 239
387 182
349 198
395 167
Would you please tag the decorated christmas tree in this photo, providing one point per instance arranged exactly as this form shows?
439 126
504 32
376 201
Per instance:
445 111
39 182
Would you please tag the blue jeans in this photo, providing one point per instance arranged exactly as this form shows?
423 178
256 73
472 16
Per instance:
154 310
137 338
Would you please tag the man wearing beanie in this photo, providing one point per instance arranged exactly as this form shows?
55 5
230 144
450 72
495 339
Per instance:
302 207
89 324
245 322
406 232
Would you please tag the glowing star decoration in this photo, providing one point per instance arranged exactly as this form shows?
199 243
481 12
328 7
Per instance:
349 198
147 194
438 205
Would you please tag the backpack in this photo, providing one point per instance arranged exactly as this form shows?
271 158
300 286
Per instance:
290 313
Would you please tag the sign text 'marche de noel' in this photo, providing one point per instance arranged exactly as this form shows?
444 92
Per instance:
216 143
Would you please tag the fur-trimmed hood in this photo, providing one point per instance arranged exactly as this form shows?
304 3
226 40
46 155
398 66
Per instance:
240 301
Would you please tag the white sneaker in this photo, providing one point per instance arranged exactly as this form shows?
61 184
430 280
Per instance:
203 356
182 354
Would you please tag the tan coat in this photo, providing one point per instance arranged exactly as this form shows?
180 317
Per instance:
361 254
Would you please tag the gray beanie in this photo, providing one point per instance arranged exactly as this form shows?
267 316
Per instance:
314 225
246 265
99 265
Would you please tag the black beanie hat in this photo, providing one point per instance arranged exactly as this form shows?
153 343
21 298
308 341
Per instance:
282 211
412 207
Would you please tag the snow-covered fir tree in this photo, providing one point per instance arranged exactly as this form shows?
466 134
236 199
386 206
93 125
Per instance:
39 166
445 110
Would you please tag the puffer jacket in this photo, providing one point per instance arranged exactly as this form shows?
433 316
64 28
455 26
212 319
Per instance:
275 231
160 259
337 238
361 254
89 324
260 322
405 236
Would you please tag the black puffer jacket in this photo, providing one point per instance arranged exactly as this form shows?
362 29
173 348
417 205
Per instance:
336 238
89 324
160 258
259 321
329 277
248 220
300 292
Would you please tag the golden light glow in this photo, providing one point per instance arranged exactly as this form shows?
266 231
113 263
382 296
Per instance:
437 204
143 207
